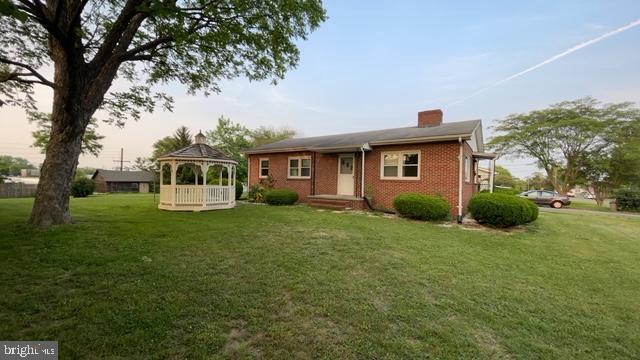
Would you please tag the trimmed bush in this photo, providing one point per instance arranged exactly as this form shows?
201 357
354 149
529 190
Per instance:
628 199
281 197
82 187
533 210
502 210
421 206
239 189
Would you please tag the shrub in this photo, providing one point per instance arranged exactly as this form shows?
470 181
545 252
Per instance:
628 199
239 189
508 191
502 210
82 187
256 193
281 197
421 206
533 210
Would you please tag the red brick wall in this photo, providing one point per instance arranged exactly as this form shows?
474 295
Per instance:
439 174
326 173
278 168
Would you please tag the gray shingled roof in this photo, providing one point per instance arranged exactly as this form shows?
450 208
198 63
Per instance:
461 128
124 176
198 151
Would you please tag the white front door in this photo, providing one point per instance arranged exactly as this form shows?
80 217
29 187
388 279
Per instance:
345 175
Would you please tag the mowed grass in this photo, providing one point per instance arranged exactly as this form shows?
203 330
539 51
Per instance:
131 281
588 204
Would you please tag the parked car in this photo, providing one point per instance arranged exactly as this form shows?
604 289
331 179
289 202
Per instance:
544 197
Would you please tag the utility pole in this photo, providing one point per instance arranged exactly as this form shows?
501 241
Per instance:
122 160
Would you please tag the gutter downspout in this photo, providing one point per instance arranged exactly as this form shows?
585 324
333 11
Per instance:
460 166
362 173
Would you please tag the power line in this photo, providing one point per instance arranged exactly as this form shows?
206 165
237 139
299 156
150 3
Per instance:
122 161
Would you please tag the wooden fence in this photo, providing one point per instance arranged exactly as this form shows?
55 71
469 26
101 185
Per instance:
14 190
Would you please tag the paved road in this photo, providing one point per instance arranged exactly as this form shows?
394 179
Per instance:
590 212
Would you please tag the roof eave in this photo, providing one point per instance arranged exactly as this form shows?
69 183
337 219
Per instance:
358 146
194 159
266 151
421 140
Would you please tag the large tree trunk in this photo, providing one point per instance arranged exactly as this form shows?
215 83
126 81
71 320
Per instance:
70 116
68 121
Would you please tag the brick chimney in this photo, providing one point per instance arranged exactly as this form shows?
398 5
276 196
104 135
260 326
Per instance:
429 118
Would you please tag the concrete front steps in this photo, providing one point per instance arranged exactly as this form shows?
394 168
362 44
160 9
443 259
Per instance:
336 202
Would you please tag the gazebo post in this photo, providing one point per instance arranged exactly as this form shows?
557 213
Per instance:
174 170
204 167
228 182
235 178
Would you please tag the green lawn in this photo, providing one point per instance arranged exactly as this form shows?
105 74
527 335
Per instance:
587 204
131 281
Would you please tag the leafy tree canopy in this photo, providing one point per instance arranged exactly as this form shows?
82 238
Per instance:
504 177
84 172
147 42
234 139
181 138
562 136
615 165
11 166
90 140
142 43
266 135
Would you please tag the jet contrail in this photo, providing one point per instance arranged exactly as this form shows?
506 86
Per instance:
552 59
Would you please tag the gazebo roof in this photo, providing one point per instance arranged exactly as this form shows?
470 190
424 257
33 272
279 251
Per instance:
197 151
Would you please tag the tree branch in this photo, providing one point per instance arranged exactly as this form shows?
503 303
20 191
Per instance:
114 36
151 45
32 72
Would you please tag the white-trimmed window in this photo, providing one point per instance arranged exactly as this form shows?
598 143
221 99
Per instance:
300 167
403 165
467 169
264 167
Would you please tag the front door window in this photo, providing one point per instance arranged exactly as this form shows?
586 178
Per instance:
346 165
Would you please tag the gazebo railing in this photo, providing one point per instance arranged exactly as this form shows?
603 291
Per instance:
195 194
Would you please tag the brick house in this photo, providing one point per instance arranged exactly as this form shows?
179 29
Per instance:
347 170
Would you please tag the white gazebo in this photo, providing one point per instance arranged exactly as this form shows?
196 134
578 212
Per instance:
197 178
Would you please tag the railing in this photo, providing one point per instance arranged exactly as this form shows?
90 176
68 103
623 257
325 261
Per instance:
193 194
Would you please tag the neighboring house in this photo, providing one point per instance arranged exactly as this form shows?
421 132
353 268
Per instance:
30 173
341 170
123 181
484 178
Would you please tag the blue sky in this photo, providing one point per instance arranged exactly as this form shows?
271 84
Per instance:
374 65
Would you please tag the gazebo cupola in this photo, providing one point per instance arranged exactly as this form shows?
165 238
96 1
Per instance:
196 178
